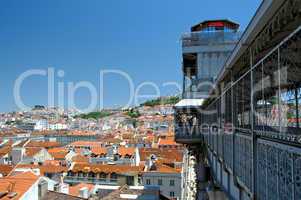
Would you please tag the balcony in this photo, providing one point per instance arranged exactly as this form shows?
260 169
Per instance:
190 64
93 180
195 95
188 134
207 38
198 88
187 120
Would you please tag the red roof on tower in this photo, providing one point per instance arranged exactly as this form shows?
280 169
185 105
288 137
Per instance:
215 23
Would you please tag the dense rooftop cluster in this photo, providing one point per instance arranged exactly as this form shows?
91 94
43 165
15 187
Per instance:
117 156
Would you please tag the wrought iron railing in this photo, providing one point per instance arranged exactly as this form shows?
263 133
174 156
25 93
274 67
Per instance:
205 38
188 132
94 180
195 95
263 155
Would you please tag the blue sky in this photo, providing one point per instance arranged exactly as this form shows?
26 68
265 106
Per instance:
82 37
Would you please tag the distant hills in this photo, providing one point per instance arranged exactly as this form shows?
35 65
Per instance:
133 113
162 101
94 115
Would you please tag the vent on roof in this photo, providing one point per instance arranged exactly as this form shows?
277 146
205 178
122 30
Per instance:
84 192
42 188
56 187
153 157
11 195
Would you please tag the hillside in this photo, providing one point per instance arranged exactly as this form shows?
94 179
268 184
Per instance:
162 101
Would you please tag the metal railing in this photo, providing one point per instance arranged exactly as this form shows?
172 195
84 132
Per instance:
194 95
188 132
95 180
205 38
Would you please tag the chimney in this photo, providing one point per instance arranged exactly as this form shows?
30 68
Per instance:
151 163
17 154
42 188
115 149
61 188
64 188
84 193
56 187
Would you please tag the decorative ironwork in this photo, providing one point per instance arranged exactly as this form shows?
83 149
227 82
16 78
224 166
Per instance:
274 86
278 171
272 171
285 175
243 160
297 177
228 150
261 171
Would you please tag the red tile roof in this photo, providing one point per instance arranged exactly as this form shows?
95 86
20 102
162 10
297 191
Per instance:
58 153
98 168
52 169
74 190
5 169
98 151
80 159
85 144
126 136
161 168
57 150
31 151
52 162
59 196
111 140
42 144
18 184
166 155
167 142
78 132
5 150
123 151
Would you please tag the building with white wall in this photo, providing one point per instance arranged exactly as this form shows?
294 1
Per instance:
165 177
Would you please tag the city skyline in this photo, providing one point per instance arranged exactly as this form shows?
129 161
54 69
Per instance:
82 39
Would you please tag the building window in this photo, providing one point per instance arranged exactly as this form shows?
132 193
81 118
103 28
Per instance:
159 181
172 183
172 194
103 176
148 181
91 175
113 177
